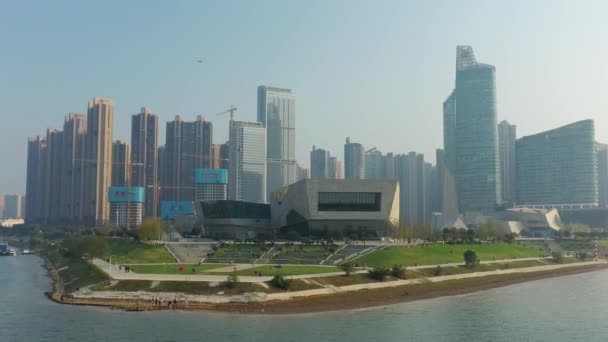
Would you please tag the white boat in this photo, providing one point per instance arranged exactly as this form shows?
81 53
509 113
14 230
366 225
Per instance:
26 252
12 252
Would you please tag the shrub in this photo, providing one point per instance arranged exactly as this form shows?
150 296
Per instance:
470 258
347 267
379 273
398 271
557 257
280 282
438 270
582 255
231 281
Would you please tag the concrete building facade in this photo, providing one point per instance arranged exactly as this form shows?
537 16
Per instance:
354 160
121 163
144 158
507 134
319 163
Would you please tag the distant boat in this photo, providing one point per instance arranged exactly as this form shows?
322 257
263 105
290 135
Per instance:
3 248
26 252
12 252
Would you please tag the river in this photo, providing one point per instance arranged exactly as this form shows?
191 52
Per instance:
569 308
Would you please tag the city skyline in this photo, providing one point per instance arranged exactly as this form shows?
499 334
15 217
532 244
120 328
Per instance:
410 101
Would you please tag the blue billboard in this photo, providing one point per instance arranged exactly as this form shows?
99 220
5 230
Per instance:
211 176
119 194
170 209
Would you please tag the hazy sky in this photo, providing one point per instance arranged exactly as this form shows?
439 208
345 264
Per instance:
377 71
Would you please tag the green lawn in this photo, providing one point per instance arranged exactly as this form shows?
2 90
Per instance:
131 252
174 268
269 270
441 254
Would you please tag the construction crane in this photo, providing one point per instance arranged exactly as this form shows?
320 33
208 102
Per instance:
231 111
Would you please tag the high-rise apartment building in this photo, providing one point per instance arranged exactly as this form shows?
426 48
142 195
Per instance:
52 202
602 171
121 164
144 158
276 112
211 184
470 134
98 160
187 148
13 205
301 173
354 160
319 163
72 168
332 168
338 165
225 156
374 164
558 168
215 156
407 174
247 173
35 180
506 147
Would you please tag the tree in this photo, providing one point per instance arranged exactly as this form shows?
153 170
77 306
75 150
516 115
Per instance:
438 270
94 246
150 229
379 273
470 258
292 235
347 267
582 255
197 229
398 271
280 282
557 257
232 280
105 230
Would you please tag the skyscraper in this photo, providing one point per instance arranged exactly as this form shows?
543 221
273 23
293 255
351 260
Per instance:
558 168
121 164
473 148
506 147
276 112
215 156
407 174
35 187
225 156
374 164
319 163
52 203
144 158
98 160
187 148
602 171
332 168
354 160
301 173
247 173
72 169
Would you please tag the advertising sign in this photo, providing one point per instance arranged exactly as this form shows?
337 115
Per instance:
126 194
170 209
211 176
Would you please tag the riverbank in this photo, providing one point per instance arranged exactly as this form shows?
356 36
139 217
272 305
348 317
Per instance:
317 300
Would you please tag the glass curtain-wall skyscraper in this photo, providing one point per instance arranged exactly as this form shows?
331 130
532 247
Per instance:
558 168
247 173
277 113
506 147
472 142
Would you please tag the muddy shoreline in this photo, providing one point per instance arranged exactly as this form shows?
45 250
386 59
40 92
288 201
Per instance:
351 300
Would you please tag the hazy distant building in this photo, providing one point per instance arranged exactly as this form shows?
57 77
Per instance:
332 171
187 148
276 112
374 164
35 186
338 165
354 160
215 156
602 170
247 173
225 156
301 173
13 206
126 206
144 158
72 168
121 163
319 163
55 189
98 164
506 147
1 207
470 135
406 166
558 168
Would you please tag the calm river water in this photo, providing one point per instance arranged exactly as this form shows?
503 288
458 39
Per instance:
570 308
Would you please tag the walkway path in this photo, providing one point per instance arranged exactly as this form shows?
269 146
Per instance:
261 297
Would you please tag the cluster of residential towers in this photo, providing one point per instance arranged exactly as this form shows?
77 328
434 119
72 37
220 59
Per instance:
75 174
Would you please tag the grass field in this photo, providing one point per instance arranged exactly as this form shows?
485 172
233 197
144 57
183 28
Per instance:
130 252
75 273
441 254
269 270
174 268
